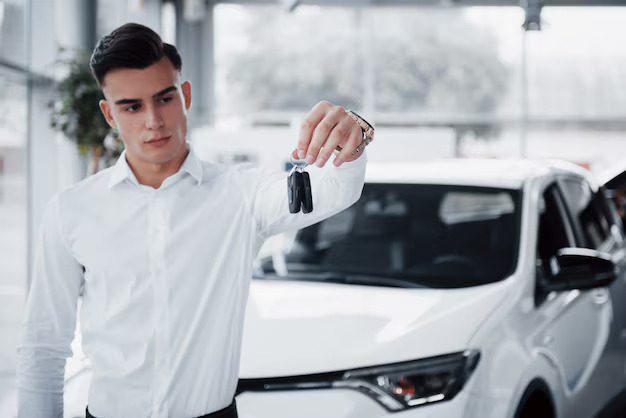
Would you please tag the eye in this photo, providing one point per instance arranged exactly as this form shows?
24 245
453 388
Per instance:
165 99
133 108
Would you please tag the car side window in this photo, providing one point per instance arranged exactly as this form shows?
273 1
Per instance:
589 213
612 213
555 232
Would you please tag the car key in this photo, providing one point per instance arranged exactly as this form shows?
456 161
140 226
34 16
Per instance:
306 197
299 188
293 191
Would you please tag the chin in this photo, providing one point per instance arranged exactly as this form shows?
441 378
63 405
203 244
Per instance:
157 153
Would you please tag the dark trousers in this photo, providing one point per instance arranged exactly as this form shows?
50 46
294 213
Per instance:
228 412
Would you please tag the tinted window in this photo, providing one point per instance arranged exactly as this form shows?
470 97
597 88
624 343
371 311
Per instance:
589 211
432 235
554 232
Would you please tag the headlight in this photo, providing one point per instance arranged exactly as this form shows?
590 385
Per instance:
406 385
396 386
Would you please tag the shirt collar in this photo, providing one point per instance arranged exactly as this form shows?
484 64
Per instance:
192 165
122 171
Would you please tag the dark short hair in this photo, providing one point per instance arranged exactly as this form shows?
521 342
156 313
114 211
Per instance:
130 46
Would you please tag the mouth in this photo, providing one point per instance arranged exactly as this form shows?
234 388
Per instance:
158 141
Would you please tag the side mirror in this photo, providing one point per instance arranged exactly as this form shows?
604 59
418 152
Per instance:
579 268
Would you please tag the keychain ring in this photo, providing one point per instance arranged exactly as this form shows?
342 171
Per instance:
300 163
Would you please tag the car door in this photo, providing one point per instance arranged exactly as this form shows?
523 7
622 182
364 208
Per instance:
596 226
574 325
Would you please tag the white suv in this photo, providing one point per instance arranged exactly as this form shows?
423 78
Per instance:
463 288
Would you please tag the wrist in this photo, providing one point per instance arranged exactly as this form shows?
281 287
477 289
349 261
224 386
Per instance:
367 131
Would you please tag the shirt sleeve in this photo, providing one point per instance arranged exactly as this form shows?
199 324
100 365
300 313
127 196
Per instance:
49 321
333 189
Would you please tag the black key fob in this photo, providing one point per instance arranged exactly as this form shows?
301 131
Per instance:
293 191
306 195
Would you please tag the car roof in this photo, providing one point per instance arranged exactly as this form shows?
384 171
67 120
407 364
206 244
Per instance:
499 173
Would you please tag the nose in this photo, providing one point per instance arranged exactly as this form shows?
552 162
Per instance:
153 119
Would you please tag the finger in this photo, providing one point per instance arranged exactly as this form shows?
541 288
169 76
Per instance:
339 135
322 131
346 154
355 131
311 120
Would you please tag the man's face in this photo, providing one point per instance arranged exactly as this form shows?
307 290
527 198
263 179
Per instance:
149 108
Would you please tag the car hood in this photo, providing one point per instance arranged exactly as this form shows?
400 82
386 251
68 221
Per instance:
295 327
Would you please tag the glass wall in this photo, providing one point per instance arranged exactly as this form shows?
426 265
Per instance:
13 190
415 62
433 79
12 32
576 72
13 122
439 82
12 179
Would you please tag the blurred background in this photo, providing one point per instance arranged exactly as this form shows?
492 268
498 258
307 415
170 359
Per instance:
442 78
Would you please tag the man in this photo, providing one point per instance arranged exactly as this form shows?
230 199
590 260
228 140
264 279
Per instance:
161 246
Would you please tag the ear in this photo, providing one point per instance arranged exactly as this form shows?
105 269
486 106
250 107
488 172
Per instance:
106 112
186 88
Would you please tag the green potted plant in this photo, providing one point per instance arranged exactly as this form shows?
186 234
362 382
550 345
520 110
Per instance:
75 113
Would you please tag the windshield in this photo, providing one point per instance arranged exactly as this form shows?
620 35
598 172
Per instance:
408 235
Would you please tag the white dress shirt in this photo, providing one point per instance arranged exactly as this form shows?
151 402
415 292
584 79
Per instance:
165 282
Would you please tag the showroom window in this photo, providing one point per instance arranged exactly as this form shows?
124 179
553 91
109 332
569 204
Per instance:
443 62
13 125
451 81
12 179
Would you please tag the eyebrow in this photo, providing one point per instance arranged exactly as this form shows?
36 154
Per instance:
158 94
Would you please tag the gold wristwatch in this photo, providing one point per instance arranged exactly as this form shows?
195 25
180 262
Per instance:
366 128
